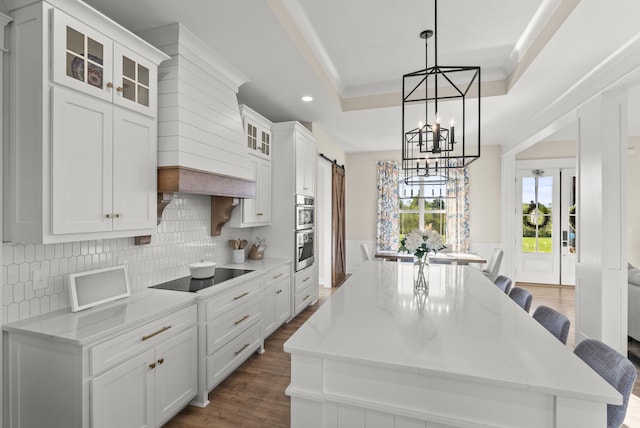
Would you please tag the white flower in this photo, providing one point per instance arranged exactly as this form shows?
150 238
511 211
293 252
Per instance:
413 241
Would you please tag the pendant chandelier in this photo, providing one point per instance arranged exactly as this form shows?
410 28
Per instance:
452 93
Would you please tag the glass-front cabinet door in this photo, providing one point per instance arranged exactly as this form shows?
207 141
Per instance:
135 79
86 60
81 57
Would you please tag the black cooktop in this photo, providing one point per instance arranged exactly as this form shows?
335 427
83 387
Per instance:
187 283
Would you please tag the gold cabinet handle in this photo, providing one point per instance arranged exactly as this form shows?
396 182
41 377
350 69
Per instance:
277 276
306 279
119 215
152 366
241 296
306 297
161 360
119 89
279 291
241 349
109 215
163 329
109 85
258 213
241 320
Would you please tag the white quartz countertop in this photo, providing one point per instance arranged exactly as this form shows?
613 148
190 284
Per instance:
100 322
466 328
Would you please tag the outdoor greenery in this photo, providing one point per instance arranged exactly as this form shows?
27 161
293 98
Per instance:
434 214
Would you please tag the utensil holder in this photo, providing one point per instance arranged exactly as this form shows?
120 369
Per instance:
238 256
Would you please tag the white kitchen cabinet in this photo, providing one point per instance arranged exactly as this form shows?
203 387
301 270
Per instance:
258 132
293 170
82 160
230 323
148 389
305 163
276 302
103 166
256 212
305 289
90 62
132 363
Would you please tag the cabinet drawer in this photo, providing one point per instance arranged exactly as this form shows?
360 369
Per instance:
228 325
118 349
303 279
223 362
234 297
302 299
278 273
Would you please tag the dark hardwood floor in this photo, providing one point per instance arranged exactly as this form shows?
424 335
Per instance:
254 395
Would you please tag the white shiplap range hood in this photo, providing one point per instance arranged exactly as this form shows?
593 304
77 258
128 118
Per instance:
201 142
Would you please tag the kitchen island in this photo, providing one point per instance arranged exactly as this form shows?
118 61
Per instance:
376 354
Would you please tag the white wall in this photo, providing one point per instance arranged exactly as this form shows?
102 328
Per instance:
484 201
633 201
331 150
183 237
549 150
362 208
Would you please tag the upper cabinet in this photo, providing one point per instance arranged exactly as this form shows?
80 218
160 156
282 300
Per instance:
258 131
305 163
256 211
82 146
90 62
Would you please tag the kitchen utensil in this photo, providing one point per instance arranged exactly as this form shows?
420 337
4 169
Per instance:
202 269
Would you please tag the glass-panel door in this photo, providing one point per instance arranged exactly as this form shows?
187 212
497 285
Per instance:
537 250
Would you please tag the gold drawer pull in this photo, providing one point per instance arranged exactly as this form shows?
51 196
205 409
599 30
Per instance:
119 215
259 214
241 319
152 366
306 297
161 360
278 276
241 296
306 279
163 329
109 215
241 349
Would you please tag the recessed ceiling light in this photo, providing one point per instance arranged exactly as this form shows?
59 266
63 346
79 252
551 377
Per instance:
307 99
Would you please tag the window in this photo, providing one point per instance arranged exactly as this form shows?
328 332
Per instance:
421 205
537 195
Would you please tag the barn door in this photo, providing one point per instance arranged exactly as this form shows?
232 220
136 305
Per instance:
338 267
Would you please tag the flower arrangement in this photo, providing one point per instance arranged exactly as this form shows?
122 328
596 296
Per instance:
420 243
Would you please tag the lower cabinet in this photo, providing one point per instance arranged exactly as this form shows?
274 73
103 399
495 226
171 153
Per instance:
230 331
305 289
139 377
276 301
148 389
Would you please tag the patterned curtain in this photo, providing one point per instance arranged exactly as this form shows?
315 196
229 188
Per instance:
388 217
458 211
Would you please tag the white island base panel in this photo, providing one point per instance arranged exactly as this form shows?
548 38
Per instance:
375 356
350 395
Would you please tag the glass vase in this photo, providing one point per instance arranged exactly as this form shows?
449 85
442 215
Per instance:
420 277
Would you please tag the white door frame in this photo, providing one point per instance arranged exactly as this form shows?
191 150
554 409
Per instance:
323 222
538 267
567 258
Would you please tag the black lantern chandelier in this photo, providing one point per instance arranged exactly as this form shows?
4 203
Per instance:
430 149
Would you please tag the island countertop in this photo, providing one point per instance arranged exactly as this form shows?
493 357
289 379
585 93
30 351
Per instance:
464 330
